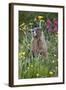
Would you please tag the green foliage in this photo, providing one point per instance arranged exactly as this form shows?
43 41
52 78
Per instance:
30 67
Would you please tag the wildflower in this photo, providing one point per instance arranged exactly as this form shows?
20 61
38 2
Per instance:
49 25
40 17
55 22
54 55
53 61
37 74
50 72
31 65
23 53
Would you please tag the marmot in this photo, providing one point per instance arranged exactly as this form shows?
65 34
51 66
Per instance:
39 46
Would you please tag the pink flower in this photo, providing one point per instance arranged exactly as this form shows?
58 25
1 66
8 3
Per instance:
55 22
48 23
55 25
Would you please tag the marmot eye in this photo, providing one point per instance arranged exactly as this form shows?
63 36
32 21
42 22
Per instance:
33 31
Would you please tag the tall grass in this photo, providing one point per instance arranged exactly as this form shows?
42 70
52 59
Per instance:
38 67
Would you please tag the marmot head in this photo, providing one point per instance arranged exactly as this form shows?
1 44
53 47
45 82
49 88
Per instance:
36 32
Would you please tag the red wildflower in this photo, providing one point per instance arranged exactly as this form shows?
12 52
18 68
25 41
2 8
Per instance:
55 21
48 23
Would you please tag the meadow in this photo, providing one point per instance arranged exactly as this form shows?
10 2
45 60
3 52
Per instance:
37 67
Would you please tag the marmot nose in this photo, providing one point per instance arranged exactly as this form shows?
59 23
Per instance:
34 33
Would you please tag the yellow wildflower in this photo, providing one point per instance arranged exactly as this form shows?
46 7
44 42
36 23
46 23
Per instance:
37 74
31 65
40 17
23 53
50 72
